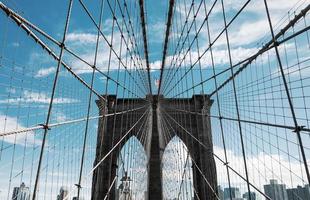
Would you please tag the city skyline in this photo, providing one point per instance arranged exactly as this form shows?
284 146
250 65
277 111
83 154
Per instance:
274 190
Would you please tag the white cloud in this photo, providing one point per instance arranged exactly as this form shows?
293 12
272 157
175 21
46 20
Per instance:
156 65
35 97
295 71
103 78
276 7
61 117
173 162
8 124
250 26
220 57
247 33
253 29
156 32
81 38
39 57
45 72
11 90
294 66
261 167
83 44
15 44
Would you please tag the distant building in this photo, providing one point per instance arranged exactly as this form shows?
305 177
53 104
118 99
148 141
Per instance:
21 193
276 191
235 193
247 196
299 193
15 193
76 198
62 194
220 192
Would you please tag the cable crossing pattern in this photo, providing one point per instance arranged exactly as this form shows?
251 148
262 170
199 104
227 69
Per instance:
132 99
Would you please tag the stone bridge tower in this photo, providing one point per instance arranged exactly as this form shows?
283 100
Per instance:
112 128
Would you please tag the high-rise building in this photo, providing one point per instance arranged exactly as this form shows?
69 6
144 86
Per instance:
220 192
276 191
21 193
235 193
62 194
299 193
76 198
15 193
249 196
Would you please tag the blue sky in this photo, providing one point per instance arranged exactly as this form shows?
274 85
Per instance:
26 76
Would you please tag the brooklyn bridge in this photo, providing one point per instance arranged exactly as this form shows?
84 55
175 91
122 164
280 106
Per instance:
151 100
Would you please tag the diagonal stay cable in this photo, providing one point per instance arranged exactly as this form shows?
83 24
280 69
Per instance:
45 133
146 53
124 136
248 60
186 38
143 126
288 93
269 45
49 51
108 43
241 120
110 188
174 57
115 146
130 40
133 39
199 170
68 122
169 22
208 48
216 156
24 23
243 62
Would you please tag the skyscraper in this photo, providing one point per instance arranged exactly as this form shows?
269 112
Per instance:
247 196
276 191
76 198
21 193
220 192
15 193
299 193
62 194
235 193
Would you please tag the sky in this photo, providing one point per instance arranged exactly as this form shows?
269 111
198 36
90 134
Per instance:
27 73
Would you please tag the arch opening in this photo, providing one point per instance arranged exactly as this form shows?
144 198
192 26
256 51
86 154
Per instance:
177 173
132 173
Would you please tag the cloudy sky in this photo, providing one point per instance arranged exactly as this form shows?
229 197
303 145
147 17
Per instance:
27 73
